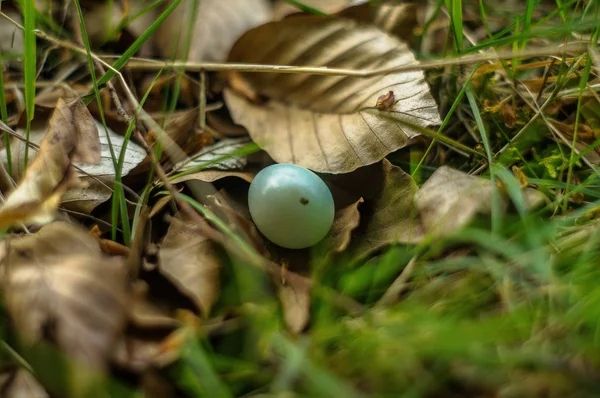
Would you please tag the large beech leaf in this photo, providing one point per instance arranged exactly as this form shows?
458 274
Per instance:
216 26
328 123
190 260
59 285
397 18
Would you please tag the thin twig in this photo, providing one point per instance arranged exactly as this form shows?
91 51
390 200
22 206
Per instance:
147 64
202 117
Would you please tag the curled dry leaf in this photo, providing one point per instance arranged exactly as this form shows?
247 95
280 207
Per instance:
97 179
72 137
236 213
216 26
329 123
136 354
391 216
59 285
191 262
295 300
145 314
100 177
346 220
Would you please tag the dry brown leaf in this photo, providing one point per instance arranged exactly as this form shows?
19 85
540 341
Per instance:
59 285
24 385
190 261
72 137
237 215
134 154
147 314
450 199
160 204
96 184
154 384
223 126
136 354
295 300
84 200
393 217
179 126
329 123
346 220
217 24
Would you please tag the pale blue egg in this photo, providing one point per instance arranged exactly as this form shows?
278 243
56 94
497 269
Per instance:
291 205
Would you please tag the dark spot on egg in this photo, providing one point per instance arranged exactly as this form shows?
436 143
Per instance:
304 201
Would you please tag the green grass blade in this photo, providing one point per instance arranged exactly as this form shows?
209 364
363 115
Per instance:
446 120
496 215
530 6
560 7
127 21
573 155
512 188
29 68
119 205
90 59
548 33
197 361
4 118
118 189
456 22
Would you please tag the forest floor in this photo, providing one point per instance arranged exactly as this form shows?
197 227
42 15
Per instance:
460 141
